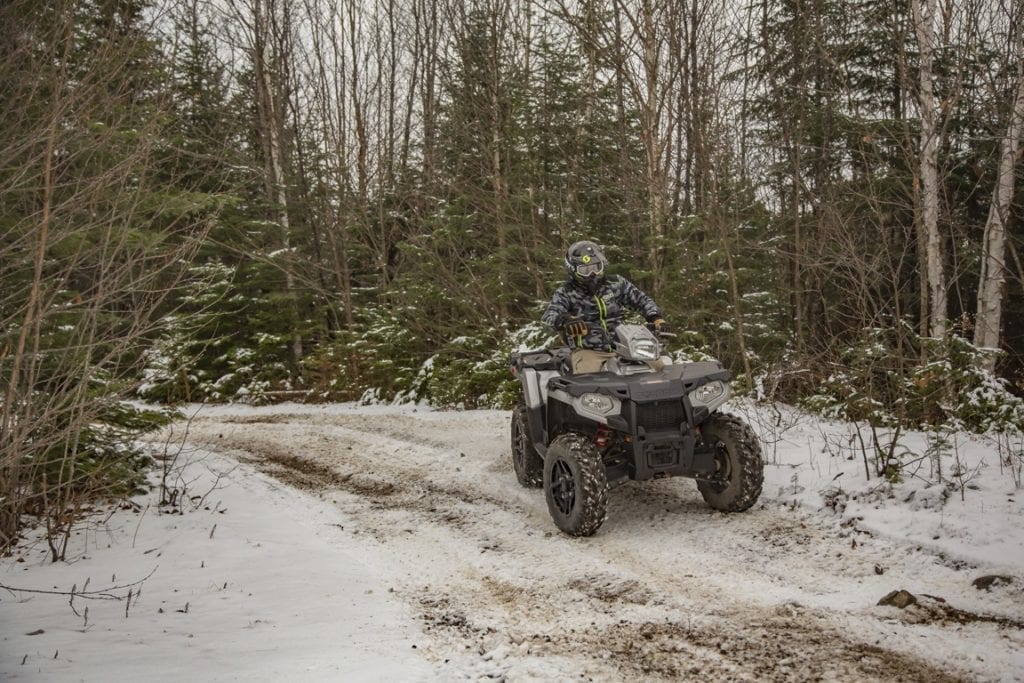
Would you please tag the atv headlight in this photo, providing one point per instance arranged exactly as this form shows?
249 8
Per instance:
643 349
597 403
710 395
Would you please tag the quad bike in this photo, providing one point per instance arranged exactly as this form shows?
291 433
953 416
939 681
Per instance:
640 418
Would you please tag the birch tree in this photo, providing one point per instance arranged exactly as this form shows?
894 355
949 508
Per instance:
992 280
924 13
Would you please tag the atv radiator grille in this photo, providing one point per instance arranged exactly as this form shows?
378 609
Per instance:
660 415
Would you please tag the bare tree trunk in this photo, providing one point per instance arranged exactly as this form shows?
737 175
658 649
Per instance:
530 243
992 283
618 49
649 74
268 58
80 293
695 128
357 104
924 23
734 294
13 426
498 181
430 38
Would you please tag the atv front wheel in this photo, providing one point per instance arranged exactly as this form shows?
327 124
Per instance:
526 461
575 485
739 465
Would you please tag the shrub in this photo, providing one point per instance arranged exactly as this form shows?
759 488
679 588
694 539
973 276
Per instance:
892 376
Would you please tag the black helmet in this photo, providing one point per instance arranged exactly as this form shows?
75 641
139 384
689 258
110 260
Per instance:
585 263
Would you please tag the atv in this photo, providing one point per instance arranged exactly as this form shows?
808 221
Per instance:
641 417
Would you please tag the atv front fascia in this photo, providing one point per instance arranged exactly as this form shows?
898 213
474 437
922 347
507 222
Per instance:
650 417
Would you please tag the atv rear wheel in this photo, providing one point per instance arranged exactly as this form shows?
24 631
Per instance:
575 485
526 461
739 465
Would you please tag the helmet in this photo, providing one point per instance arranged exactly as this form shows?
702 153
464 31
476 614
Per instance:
585 263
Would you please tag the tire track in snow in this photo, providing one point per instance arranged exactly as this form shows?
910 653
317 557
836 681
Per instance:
502 594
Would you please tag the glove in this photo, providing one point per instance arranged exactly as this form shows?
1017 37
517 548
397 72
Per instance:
574 327
660 326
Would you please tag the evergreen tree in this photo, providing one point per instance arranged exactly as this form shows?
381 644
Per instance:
94 241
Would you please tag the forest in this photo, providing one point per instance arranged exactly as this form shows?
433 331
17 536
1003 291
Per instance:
370 200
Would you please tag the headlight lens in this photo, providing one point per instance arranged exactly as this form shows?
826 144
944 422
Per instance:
598 403
643 349
710 395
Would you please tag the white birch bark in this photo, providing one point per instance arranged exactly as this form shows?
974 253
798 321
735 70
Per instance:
924 25
992 282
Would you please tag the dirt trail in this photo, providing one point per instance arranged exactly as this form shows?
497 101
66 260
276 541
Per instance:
667 590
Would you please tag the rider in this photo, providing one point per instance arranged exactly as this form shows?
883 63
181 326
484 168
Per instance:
591 304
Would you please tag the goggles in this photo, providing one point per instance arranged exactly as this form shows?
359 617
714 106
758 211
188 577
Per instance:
588 269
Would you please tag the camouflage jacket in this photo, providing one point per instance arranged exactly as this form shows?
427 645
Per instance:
606 309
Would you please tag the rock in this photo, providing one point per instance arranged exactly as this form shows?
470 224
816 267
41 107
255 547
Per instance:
900 598
985 583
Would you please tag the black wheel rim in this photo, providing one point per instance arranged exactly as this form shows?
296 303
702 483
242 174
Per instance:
519 439
723 467
563 487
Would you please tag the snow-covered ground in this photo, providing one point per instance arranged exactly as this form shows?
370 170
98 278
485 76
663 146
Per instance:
373 543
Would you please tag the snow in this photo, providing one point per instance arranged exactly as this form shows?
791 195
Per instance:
351 542
257 583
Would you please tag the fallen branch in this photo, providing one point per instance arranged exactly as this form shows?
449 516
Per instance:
101 594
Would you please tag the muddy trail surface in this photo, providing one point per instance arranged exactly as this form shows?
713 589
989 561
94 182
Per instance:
667 590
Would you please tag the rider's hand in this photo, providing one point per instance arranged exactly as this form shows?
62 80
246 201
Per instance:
660 326
574 327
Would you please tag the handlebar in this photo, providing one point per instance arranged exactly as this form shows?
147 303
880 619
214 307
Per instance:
597 327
